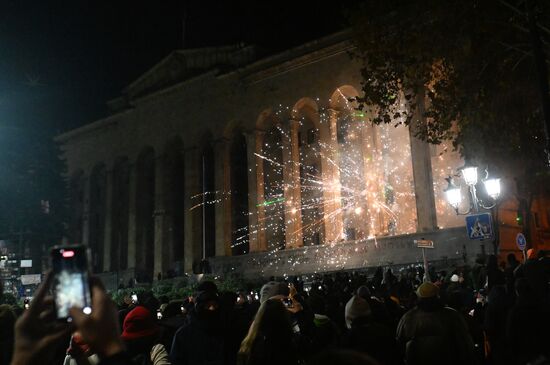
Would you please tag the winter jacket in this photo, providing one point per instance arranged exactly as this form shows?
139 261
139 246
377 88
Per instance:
198 342
435 336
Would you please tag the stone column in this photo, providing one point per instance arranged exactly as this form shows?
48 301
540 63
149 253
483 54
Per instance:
422 172
256 219
260 191
193 213
221 151
333 217
373 176
132 219
163 257
292 186
86 214
108 234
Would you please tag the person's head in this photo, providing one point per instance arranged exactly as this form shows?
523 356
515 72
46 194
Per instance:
273 288
357 310
139 324
7 321
531 254
273 321
149 301
454 278
364 292
428 296
207 304
172 309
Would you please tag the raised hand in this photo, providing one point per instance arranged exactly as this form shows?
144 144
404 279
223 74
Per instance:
37 332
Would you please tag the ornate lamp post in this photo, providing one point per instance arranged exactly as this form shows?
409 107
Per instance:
470 176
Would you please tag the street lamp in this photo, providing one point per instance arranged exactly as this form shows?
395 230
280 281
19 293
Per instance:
470 175
454 197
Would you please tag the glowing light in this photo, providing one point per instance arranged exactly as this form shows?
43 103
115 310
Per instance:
271 202
493 188
67 253
469 173
358 210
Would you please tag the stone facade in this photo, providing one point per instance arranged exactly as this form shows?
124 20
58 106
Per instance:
217 153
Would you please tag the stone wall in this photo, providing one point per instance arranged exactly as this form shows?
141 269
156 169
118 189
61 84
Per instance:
450 246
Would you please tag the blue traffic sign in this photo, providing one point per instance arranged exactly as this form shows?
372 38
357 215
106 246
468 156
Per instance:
521 241
479 226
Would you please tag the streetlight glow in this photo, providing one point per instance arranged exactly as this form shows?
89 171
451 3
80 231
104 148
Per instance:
469 173
452 193
493 187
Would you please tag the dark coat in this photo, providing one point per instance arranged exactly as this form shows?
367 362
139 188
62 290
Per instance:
438 335
199 342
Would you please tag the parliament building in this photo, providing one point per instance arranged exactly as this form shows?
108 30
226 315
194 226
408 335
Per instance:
258 165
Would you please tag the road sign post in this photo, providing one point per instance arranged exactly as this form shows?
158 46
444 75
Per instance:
479 226
521 242
424 244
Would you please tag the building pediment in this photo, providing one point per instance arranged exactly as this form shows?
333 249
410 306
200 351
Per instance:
181 65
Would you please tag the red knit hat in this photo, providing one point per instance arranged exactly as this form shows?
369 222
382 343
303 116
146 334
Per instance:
139 323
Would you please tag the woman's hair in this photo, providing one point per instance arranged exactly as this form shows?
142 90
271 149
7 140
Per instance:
272 319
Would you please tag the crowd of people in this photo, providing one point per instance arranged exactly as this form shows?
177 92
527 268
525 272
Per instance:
484 314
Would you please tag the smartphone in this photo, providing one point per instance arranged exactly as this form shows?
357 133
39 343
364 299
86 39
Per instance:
134 298
159 314
70 280
287 302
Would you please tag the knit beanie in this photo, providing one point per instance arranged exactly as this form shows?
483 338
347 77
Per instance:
272 289
356 307
139 323
427 290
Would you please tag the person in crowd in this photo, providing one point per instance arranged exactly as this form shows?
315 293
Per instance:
431 333
201 340
495 324
172 319
495 276
367 335
7 322
79 353
479 274
527 326
38 333
326 333
457 302
141 335
271 339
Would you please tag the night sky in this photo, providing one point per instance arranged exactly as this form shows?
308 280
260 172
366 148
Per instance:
60 61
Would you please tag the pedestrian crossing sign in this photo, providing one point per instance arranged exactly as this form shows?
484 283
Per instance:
479 226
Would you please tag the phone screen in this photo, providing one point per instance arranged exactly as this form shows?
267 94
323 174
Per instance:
288 302
70 282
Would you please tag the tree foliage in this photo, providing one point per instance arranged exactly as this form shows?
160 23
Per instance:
473 63
32 189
